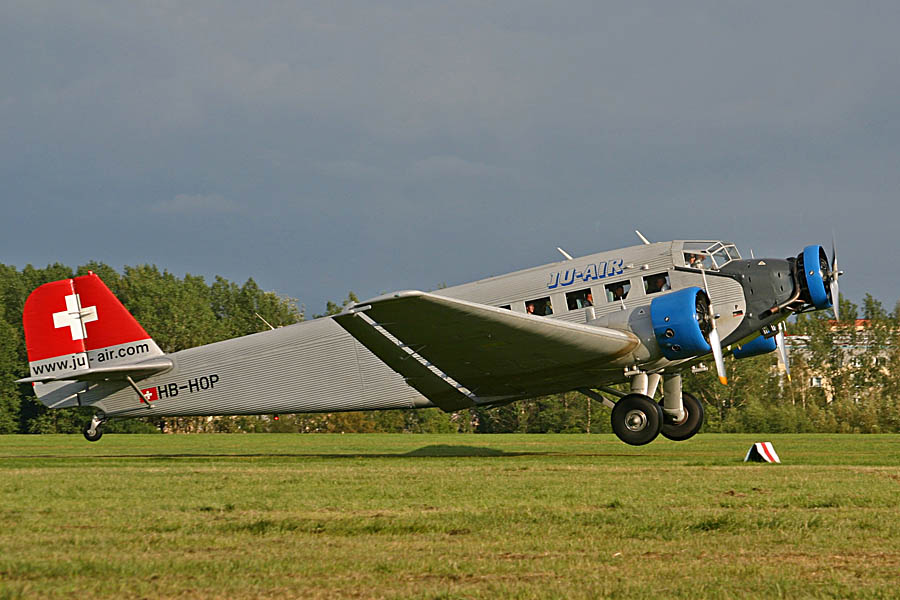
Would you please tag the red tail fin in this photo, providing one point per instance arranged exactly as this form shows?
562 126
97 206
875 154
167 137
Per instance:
77 324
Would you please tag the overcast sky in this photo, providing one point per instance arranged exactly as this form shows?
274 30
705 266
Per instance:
321 147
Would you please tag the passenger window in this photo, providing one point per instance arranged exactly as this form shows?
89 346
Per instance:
540 307
506 306
617 291
654 284
579 299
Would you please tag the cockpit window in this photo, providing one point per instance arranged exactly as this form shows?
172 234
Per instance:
721 257
709 255
698 260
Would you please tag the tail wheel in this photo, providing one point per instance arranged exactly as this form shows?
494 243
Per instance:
688 426
636 419
92 432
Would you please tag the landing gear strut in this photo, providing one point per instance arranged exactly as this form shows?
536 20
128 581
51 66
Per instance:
687 426
683 414
93 431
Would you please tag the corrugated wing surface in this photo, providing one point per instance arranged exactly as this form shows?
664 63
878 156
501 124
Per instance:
495 352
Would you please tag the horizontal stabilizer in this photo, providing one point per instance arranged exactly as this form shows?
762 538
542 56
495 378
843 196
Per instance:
121 372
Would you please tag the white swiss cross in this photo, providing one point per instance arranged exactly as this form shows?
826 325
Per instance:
75 317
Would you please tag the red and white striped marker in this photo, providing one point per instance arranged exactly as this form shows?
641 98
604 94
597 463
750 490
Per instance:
762 452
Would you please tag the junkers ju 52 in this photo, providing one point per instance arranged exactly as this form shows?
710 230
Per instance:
638 315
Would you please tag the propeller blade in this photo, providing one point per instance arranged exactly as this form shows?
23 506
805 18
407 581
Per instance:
714 340
835 293
784 360
717 354
835 273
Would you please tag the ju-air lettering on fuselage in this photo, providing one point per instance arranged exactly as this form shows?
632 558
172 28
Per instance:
590 272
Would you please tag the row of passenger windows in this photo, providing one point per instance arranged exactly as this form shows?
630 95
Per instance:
616 291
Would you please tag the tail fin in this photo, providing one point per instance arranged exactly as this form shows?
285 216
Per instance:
76 330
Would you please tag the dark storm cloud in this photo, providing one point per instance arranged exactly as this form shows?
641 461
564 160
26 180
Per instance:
335 146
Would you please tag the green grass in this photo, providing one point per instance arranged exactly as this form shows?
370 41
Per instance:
452 516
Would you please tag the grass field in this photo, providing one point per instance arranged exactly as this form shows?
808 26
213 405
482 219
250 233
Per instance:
453 516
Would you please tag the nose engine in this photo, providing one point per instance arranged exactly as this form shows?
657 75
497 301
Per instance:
774 288
818 282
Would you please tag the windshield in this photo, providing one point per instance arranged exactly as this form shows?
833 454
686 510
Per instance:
709 255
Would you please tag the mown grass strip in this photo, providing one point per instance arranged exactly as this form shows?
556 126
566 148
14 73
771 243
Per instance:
383 516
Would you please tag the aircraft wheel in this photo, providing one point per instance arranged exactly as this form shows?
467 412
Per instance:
636 419
691 423
92 435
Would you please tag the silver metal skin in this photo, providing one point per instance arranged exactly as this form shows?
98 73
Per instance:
309 367
322 366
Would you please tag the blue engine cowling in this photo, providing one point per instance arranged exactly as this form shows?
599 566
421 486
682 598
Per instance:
814 263
681 323
755 347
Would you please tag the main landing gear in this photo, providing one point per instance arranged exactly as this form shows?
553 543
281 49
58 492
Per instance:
638 420
685 428
93 431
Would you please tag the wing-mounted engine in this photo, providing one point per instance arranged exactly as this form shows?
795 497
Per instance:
682 322
674 326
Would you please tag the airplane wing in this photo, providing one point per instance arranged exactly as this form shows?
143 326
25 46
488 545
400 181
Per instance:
459 354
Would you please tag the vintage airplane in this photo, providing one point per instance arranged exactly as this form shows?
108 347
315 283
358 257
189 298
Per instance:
642 315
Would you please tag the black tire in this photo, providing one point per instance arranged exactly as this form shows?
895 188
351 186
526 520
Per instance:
98 433
679 432
636 419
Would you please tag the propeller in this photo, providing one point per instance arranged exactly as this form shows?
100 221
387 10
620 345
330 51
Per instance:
714 340
784 360
833 275
716 344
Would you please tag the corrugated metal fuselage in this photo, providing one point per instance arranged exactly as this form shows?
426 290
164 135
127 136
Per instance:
316 366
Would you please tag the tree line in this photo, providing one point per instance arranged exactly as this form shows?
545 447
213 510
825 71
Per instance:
845 377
